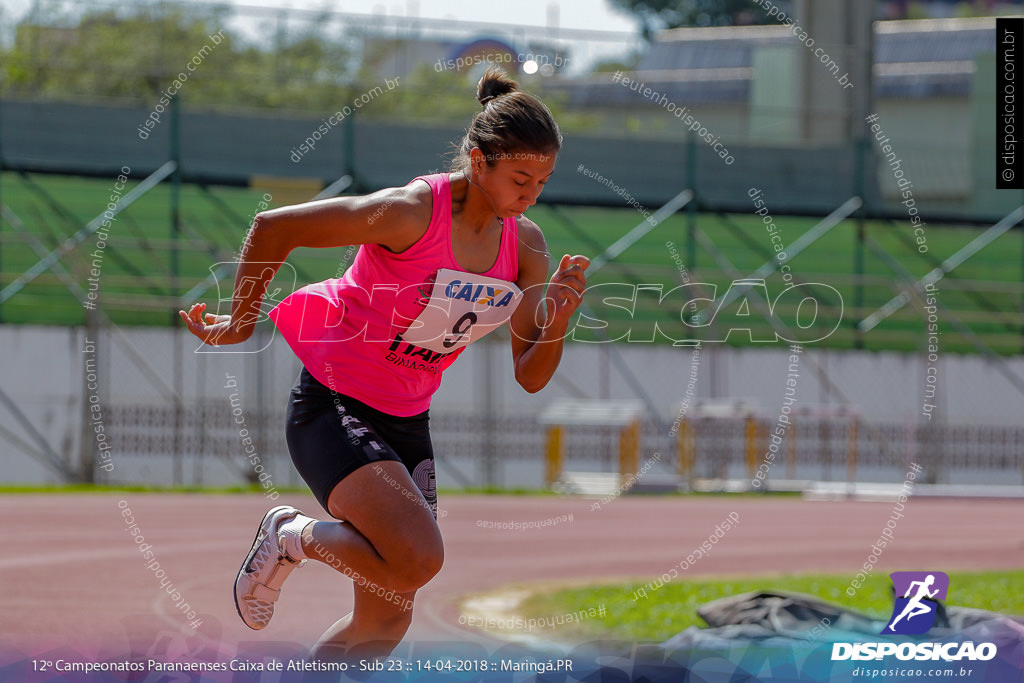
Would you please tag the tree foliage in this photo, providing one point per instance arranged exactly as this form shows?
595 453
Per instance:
137 53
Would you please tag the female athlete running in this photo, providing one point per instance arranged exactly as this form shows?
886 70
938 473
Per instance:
443 260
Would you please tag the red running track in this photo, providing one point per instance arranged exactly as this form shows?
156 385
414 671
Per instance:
74 579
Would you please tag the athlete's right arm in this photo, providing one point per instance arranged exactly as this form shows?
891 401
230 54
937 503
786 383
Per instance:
394 218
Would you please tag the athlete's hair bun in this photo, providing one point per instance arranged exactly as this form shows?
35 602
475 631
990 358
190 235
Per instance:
511 121
493 84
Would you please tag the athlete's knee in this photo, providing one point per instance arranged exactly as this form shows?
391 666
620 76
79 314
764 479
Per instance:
429 563
418 566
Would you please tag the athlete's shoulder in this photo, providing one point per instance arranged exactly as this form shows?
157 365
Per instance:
400 215
533 248
530 235
414 200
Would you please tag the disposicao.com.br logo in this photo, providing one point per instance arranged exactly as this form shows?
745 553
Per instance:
914 612
916 604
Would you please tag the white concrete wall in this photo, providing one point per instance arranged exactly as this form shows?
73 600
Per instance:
43 371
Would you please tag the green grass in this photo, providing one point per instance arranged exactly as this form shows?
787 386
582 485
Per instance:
244 489
62 489
239 489
673 607
496 491
50 489
138 289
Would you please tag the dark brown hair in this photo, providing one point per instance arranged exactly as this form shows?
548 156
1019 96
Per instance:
512 121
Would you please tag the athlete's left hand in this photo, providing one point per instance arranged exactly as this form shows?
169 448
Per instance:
566 287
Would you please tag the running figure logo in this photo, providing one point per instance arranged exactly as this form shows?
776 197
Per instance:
914 612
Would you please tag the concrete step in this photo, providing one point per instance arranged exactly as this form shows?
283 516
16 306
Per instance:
597 484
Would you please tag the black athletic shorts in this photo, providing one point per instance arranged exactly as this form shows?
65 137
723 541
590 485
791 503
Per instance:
331 435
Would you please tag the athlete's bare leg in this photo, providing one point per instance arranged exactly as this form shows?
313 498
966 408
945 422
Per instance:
381 626
388 543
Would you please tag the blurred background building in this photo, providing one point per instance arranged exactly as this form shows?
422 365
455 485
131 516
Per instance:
213 103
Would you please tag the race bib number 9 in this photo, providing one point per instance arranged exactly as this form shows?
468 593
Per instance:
463 307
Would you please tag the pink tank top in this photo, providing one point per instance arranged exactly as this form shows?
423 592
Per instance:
386 331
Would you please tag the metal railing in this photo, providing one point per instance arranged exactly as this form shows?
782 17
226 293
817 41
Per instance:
819 448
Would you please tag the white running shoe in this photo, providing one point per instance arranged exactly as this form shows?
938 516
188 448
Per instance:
258 584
